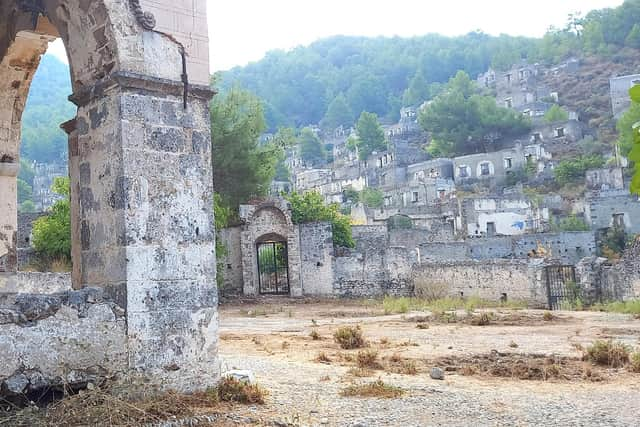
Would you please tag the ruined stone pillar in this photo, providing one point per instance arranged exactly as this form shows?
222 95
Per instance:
145 212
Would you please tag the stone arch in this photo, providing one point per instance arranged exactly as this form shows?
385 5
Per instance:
264 220
140 166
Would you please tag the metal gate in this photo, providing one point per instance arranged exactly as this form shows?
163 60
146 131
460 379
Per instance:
561 285
273 268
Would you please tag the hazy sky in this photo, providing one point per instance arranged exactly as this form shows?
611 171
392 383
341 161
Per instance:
242 31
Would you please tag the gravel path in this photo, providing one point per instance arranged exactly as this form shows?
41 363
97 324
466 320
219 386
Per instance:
297 393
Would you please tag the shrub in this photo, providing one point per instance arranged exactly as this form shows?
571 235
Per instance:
349 337
233 390
608 353
368 359
372 198
571 171
375 389
52 233
323 358
310 207
315 335
547 316
483 319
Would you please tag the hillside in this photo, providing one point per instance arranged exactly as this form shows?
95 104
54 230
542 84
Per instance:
381 74
47 107
587 90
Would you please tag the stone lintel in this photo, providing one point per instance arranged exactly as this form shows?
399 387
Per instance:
140 82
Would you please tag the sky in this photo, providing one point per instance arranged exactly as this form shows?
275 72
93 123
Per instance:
242 31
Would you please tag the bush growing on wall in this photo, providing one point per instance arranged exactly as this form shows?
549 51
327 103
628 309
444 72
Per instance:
310 207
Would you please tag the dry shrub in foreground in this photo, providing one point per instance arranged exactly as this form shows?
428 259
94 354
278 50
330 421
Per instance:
323 358
608 353
375 389
349 337
233 390
100 407
368 359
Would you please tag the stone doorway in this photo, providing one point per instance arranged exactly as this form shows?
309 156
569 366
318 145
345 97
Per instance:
273 267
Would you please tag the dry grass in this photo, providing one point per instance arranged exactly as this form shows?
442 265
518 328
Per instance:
323 358
422 326
106 407
608 353
315 335
547 316
236 391
521 366
375 389
360 372
349 337
483 319
368 359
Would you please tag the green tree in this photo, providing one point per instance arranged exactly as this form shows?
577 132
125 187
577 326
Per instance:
242 167
634 154
338 114
26 172
27 207
633 39
556 114
52 233
626 133
311 149
372 198
24 191
370 135
417 92
461 121
574 170
310 207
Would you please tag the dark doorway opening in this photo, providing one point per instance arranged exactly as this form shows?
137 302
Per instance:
273 268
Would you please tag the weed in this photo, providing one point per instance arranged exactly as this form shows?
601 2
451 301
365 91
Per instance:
395 358
624 307
360 372
547 316
349 337
405 367
384 341
375 389
608 353
513 344
422 326
325 378
256 341
315 335
233 390
393 305
323 358
285 345
368 359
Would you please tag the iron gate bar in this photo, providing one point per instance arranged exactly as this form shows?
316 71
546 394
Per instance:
270 253
557 278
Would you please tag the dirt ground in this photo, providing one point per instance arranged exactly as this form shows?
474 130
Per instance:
519 369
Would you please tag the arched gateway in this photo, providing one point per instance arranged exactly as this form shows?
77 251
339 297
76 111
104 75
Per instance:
140 166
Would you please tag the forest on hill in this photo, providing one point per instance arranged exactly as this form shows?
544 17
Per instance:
333 80
47 107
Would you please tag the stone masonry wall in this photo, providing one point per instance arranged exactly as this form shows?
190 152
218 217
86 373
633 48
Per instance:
316 259
518 279
231 263
62 339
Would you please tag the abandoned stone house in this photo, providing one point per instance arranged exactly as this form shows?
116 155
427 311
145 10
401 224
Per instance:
619 92
142 299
